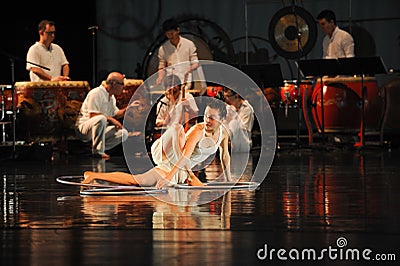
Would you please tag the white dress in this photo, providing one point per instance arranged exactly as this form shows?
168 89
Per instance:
170 142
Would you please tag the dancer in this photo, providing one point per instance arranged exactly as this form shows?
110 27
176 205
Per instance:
176 153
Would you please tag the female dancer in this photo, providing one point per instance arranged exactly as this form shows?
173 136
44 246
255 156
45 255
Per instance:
176 153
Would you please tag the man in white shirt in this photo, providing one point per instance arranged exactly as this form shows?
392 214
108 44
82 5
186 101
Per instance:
178 51
337 43
239 120
171 108
98 119
47 54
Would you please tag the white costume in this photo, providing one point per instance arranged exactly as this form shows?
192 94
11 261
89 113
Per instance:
96 129
52 58
166 151
240 124
184 53
340 45
165 108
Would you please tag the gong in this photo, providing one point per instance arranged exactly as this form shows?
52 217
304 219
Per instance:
292 32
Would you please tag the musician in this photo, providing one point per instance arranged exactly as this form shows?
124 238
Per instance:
177 50
239 120
47 54
98 120
171 107
337 43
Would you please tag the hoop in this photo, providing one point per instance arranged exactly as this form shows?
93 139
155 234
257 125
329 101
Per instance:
221 185
117 191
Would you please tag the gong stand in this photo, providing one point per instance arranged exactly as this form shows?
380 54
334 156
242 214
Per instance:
292 34
298 81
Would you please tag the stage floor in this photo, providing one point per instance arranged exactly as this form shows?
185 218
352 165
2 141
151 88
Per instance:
338 199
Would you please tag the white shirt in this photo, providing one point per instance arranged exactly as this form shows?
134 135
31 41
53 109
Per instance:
165 108
240 124
185 53
340 45
245 114
52 58
98 100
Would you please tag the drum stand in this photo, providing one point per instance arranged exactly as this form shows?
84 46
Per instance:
12 63
3 111
362 66
319 68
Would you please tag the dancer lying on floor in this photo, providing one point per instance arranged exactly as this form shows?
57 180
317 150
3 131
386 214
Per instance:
176 153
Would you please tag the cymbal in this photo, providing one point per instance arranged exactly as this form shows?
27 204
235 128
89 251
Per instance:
292 32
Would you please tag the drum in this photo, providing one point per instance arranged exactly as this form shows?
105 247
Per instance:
290 93
342 99
213 91
48 110
130 86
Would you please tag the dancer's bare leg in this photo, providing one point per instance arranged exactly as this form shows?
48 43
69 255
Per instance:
115 177
148 178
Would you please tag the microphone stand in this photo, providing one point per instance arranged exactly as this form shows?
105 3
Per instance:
93 30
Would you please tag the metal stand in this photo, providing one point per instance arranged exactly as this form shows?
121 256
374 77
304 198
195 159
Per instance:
319 68
14 113
362 66
298 80
93 30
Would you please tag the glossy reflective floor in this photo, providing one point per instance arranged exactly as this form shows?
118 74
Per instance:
337 199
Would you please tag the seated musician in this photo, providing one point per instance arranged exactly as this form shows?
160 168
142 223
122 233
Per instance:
239 120
171 108
98 120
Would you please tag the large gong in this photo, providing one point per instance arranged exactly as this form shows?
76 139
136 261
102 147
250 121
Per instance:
292 32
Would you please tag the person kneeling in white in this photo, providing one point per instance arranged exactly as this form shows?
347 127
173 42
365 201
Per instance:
98 119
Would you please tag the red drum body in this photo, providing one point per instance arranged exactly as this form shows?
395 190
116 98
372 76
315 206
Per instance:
290 93
342 99
48 110
212 91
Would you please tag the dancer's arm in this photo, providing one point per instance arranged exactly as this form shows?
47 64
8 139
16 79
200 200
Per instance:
225 157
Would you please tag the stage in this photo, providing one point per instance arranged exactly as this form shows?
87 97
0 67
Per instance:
330 197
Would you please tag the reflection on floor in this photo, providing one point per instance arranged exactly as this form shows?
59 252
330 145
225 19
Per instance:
310 199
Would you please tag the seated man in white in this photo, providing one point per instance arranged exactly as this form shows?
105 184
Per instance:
173 106
98 118
239 120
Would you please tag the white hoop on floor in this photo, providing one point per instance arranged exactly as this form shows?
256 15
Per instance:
68 180
117 191
221 185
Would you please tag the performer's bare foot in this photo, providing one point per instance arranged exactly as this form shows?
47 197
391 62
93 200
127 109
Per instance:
88 177
194 181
